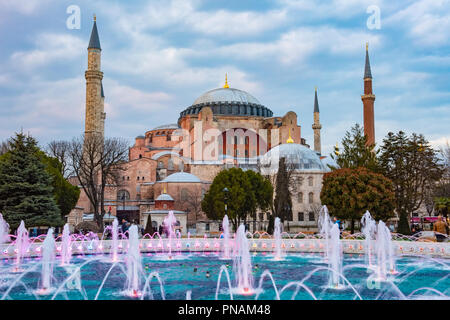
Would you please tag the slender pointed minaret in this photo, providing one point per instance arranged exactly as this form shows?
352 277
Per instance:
316 125
368 99
95 115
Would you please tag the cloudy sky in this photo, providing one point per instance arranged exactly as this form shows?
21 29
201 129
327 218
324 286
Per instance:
159 56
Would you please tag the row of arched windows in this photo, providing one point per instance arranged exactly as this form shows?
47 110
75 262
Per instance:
310 197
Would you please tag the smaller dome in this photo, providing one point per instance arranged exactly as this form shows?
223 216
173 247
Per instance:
182 177
167 126
297 155
140 137
164 197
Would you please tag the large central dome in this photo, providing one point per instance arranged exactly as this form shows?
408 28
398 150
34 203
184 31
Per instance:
228 102
226 95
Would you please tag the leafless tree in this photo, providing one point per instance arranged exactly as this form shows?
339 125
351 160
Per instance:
60 150
97 163
4 147
193 202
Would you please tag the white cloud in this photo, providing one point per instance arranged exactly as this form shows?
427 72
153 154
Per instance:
23 6
122 99
49 48
185 15
426 22
297 45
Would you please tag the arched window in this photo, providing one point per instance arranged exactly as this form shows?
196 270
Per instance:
300 197
184 195
123 195
137 178
160 165
140 156
310 181
170 165
311 197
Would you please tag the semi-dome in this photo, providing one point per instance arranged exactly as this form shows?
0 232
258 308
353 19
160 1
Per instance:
296 155
182 177
228 101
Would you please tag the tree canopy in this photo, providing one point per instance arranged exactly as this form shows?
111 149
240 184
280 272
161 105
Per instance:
26 190
355 153
413 166
247 191
66 194
283 202
348 193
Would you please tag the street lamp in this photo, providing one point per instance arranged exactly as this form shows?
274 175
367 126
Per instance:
225 190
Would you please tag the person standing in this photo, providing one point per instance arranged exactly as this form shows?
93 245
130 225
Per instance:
440 229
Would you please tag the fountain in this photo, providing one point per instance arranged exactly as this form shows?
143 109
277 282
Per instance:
21 245
115 233
277 237
325 224
169 222
4 230
226 238
385 252
66 249
133 262
242 264
423 270
335 257
48 258
369 228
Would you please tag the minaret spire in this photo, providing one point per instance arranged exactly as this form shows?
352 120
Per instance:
367 71
316 125
368 99
94 42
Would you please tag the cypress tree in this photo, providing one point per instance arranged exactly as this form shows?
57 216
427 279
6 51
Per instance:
26 191
283 201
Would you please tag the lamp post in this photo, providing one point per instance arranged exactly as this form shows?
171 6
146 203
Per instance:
225 190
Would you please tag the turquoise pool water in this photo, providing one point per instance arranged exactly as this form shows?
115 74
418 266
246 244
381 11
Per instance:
417 278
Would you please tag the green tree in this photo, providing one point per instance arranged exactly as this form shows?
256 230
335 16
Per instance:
263 190
283 202
66 194
355 153
442 204
26 191
413 166
240 198
348 193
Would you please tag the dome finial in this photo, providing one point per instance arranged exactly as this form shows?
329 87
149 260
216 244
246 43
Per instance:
95 18
290 140
367 46
164 190
336 149
226 82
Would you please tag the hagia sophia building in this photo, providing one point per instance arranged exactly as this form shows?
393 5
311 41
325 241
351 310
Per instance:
171 166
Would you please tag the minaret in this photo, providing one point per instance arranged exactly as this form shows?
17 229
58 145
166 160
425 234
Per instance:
95 115
368 99
316 125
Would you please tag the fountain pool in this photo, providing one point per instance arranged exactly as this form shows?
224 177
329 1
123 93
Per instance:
298 276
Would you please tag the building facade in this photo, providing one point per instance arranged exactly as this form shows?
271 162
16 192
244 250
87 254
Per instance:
223 128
